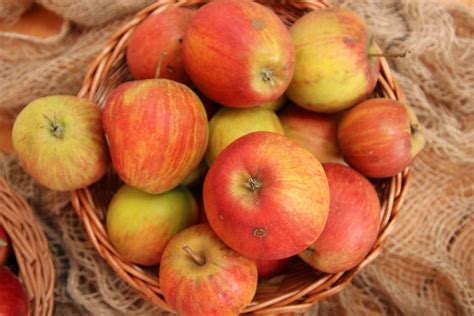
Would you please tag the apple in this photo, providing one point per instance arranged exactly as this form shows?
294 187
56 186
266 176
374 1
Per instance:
210 106
228 124
201 276
315 132
266 197
336 66
140 225
275 105
157 133
380 137
267 268
154 49
13 299
196 176
238 53
5 248
353 222
60 143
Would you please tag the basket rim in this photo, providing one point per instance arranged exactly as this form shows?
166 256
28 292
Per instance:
31 248
298 300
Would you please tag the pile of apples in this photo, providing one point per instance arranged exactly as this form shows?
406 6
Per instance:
276 184
13 298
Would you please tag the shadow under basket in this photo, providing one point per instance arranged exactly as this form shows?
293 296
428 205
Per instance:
30 249
300 286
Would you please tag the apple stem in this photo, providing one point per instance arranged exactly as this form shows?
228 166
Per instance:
200 261
55 127
414 129
267 76
253 185
387 55
160 63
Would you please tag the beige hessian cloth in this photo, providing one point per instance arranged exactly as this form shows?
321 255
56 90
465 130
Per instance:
427 267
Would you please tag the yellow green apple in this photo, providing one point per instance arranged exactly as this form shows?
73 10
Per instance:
140 224
229 124
60 142
335 66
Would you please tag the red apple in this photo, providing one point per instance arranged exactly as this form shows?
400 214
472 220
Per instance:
154 50
140 225
267 268
336 67
4 246
313 131
201 276
266 197
157 133
353 222
13 299
238 53
380 137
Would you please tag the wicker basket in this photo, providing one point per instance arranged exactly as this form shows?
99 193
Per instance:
31 250
300 286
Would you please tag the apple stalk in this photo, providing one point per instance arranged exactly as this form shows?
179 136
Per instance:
200 261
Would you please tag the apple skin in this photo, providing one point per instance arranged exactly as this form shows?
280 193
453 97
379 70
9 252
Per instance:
268 268
196 176
157 132
333 68
353 222
315 132
60 142
266 197
5 247
275 105
13 299
156 43
380 137
140 225
229 124
238 53
224 285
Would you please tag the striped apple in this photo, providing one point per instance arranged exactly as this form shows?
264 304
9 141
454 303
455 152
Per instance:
201 276
238 53
157 133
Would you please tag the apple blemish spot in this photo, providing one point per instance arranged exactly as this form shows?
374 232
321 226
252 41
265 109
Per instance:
259 232
258 24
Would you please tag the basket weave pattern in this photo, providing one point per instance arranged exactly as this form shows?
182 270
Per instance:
31 250
296 289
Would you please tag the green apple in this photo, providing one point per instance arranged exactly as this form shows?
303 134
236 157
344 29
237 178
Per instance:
229 124
140 224
60 142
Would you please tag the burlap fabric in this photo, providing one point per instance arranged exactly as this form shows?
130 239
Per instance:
427 267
